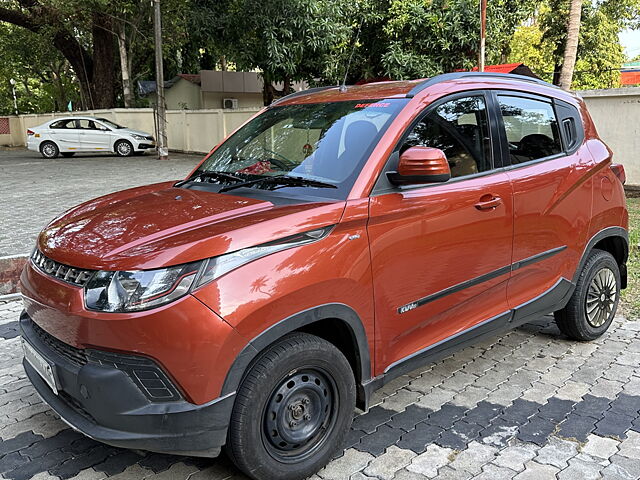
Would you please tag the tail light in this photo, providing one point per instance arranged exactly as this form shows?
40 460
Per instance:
30 132
618 171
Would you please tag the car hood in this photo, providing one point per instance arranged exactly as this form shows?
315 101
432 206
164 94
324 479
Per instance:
129 131
160 225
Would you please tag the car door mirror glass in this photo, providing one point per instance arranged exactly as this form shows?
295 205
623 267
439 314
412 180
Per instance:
418 165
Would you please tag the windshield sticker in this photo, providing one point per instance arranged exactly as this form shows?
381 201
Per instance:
377 104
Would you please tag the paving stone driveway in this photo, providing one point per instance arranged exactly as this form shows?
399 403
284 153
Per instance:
35 190
526 405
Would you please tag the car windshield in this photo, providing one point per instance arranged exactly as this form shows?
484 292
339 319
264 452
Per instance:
109 123
323 142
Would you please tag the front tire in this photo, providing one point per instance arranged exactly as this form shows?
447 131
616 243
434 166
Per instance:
293 409
49 149
594 302
123 148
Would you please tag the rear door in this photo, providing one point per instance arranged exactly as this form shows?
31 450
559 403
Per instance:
440 253
551 195
65 134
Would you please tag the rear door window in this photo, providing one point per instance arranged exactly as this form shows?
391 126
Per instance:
531 128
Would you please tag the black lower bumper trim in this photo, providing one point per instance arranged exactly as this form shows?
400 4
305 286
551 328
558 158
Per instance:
106 405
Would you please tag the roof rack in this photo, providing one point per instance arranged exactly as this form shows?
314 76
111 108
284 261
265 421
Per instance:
458 75
302 92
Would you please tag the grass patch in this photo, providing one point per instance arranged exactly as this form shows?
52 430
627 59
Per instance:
630 300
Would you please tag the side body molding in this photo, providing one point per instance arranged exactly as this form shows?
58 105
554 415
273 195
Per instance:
329 311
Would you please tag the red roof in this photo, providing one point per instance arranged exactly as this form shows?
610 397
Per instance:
191 77
502 68
630 77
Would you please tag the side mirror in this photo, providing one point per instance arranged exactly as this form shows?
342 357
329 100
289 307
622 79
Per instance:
419 165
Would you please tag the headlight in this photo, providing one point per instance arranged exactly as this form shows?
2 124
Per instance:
138 137
138 290
143 289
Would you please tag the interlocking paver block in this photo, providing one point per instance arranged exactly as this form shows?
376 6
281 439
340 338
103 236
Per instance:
351 462
557 453
385 466
515 457
429 462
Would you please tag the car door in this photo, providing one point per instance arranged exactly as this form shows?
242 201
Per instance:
441 253
93 136
65 134
552 197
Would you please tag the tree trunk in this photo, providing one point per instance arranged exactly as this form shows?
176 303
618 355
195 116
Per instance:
103 93
571 48
124 67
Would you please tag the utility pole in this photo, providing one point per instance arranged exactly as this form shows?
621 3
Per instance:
483 34
163 150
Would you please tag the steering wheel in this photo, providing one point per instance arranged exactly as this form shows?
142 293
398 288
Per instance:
285 162
279 164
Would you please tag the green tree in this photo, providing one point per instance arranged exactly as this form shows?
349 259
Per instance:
44 80
286 40
428 37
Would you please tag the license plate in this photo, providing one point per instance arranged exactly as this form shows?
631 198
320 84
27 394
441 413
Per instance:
40 365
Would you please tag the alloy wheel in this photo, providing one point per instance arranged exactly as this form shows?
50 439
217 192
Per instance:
601 297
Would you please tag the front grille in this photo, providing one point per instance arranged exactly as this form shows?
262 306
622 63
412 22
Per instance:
144 372
74 276
75 355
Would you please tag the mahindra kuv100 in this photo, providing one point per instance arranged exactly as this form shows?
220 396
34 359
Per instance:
338 239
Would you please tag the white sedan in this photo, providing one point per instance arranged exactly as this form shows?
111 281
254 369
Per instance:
70 135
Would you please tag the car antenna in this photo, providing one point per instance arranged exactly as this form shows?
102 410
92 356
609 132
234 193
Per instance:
343 86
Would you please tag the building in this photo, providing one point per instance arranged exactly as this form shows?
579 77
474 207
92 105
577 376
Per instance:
630 74
211 89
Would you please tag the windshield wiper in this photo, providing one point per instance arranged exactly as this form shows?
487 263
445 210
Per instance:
211 174
284 180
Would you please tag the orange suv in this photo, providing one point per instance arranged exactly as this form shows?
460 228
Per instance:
338 239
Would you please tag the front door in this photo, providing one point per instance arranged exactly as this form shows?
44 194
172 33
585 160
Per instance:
441 253
92 137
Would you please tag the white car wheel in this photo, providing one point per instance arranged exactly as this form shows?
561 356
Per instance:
123 148
49 150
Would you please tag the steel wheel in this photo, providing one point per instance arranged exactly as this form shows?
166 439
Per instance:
299 414
601 297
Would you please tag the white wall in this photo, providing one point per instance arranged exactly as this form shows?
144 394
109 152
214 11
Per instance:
616 113
187 130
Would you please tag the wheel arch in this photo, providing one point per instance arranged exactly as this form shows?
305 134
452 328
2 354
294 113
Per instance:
614 240
337 323
120 139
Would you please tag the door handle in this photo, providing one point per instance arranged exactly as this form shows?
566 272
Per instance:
488 202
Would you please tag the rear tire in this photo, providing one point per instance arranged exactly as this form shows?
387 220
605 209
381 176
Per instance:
68 154
48 149
123 148
594 302
293 409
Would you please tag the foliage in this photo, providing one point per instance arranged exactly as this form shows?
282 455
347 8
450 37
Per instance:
428 37
631 296
599 50
43 79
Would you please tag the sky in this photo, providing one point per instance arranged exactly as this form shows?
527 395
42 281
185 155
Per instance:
630 40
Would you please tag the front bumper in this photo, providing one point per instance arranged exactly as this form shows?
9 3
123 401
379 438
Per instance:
104 403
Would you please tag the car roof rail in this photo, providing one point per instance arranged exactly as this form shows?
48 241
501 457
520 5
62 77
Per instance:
445 77
302 92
